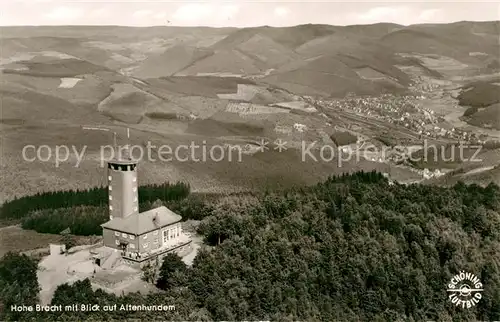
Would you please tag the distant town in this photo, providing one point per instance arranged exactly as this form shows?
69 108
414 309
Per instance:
403 110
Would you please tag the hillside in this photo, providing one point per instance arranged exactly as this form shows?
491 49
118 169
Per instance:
488 117
335 76
456 40
172 111
225 62
267 52
290 37
480 94
483 101
259 51
166 84
170 62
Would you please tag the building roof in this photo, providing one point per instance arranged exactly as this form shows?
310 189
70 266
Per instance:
138 224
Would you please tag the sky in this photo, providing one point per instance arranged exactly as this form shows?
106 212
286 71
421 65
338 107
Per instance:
237 13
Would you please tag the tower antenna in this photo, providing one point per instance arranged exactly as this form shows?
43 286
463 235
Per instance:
102 129
127 145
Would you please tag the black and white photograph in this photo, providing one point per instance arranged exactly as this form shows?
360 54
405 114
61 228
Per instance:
313 161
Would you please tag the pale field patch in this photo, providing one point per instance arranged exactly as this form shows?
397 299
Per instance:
250 109
69 82
478 170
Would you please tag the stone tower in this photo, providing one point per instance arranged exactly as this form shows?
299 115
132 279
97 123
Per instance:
122 186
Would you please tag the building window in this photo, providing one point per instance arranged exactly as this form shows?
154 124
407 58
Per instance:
145 236
132 237
135 189
165 236
110 217
110 197
146 245
135 199
109 178
117 242
135 208
134 179
110 187
110 207
124 235
132 246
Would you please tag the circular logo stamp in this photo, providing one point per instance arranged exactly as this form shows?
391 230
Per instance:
465 289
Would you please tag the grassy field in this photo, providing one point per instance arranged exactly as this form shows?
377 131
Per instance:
446 157
343 138
481 177
16 239
207 86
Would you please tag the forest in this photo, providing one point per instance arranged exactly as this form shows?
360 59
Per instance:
352 248
21 207
87 220
83 211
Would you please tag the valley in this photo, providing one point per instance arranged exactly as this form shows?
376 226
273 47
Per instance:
237 87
